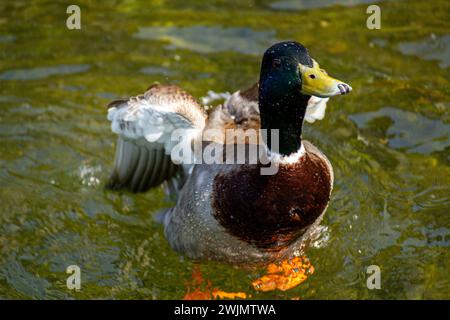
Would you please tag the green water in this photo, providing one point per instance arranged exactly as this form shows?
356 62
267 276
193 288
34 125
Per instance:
389 142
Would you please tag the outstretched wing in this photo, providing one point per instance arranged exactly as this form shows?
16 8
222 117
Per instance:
316 109
241 111
145 124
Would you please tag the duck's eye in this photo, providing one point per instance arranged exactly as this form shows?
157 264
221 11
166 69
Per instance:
312 76
276 63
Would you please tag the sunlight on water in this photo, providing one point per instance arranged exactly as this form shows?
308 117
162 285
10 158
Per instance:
211 39
87 175
388 142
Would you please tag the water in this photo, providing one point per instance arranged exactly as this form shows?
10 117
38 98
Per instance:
388 142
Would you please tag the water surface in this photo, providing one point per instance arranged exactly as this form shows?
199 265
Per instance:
388 142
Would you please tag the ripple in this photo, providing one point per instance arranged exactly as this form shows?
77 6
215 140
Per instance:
43 72
23 281
429 237
312 4
431 48
433 198
211 39
320 237
408 130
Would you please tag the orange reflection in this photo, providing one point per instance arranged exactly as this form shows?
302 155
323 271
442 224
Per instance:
284 275
228 295
199 289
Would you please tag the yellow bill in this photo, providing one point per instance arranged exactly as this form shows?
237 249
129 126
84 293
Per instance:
316 82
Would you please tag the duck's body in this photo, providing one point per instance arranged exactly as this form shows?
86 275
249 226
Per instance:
229 212
232 213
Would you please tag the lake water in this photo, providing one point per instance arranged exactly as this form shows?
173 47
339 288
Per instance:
388 141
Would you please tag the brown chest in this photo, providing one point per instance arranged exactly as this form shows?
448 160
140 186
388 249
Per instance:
272 211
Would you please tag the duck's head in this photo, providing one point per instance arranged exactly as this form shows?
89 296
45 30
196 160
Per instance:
288 79
287 66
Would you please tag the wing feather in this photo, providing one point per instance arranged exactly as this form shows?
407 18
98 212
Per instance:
145 124
241 110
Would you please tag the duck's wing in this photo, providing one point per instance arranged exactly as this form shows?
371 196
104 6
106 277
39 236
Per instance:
316 109
145 124
241 111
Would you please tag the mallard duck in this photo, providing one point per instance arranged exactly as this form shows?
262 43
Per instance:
232 212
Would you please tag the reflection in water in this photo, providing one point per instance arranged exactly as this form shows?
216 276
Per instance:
157 70
23 281
408 130
43 72
432 48
311 4
6 38
211 39
429 237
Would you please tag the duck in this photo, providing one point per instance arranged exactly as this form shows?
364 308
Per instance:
232 212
